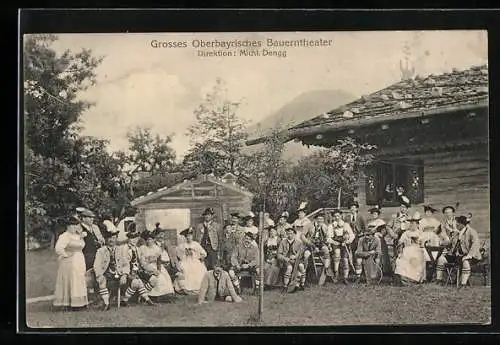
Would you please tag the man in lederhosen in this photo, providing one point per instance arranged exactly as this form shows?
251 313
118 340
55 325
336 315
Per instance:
283 225
93 241
318 241
342 238
112 265
290 250
208 235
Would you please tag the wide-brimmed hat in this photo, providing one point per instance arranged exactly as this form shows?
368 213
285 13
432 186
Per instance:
429 208
416 217
462 220
208 210
85 212
375 209
404 201
285 215
236 214
108 234
354 203
448 207
302 206
250 215
72 220
187 231
249 235
291 228
148 234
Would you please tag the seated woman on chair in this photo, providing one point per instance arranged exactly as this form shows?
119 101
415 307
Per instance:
410 261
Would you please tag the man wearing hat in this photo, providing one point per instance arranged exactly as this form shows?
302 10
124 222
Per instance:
217 286
208 234
465 247
368 254
93 237
356 221
232 235
318 240
409 265
112 265
245 257
342 238
290 250
283 225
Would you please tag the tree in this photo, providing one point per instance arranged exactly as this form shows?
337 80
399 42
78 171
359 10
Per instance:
147 154
335 172
52 113
267 173
217 136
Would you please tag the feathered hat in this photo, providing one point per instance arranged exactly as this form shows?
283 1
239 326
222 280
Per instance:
451 207
302 206
187 231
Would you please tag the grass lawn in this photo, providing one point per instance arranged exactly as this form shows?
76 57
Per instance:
328 305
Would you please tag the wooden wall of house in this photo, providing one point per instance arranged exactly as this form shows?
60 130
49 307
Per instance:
450 177
223 208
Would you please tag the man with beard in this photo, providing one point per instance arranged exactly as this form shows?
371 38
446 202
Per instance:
207 234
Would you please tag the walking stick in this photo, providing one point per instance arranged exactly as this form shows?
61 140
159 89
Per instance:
296 267
119 294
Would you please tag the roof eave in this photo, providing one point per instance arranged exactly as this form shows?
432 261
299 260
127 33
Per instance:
356 123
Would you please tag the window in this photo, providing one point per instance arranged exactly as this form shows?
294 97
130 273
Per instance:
384 178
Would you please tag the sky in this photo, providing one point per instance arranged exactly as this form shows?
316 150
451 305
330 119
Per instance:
159 88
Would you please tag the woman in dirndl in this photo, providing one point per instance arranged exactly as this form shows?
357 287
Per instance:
71 285
191 265
271 267
150 258
410 264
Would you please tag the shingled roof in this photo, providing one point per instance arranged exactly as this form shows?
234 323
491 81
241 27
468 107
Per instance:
420 96
452 89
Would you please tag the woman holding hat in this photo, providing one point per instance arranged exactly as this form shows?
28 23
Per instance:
191 255
71 286
410 261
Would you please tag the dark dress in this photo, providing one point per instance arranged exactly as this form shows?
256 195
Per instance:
271 267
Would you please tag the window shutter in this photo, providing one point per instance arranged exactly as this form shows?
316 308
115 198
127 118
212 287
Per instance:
416 184
371 185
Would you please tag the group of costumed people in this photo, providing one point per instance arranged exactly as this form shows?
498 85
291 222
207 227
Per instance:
213 258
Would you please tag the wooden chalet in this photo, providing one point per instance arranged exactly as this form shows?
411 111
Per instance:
180 206
431 135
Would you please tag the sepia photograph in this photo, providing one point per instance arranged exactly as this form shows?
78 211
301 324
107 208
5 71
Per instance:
244 179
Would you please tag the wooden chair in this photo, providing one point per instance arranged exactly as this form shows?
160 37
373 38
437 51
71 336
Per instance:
244 275
452 267
434 254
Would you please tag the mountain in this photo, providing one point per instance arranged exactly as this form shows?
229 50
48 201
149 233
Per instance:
302 108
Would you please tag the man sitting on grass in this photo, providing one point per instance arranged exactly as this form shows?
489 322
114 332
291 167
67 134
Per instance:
216 285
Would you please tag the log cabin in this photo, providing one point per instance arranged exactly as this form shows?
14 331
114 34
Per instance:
431 135
181 206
